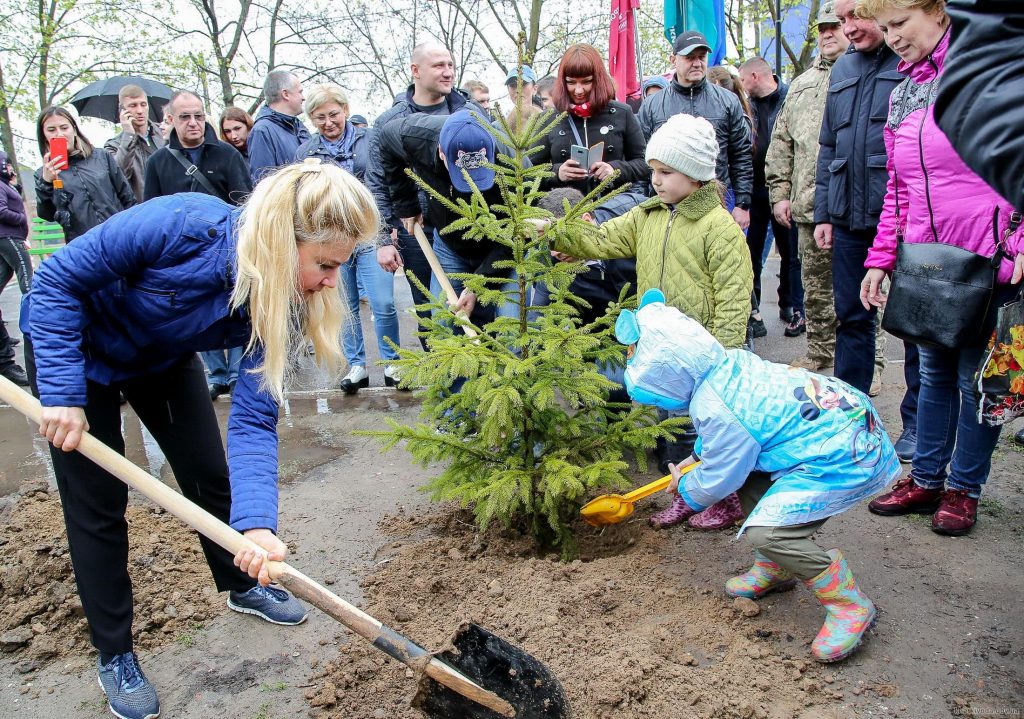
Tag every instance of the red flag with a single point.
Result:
(622, 49)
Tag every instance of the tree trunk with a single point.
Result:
(6, 130)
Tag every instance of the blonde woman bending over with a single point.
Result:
(125, 309)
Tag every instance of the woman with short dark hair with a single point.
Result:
(586, 91)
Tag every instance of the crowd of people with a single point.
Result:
(254, 238)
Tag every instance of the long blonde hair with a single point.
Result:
(301, 203)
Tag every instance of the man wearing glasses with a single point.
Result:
(194, 160)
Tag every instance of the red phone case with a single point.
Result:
(59, 146)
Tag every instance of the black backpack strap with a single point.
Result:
(193, 171)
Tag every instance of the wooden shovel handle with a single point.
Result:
(302, 586)
(442, 278)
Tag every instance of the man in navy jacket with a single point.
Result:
(277, 132)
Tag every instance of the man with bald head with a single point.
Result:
(432, 92)
(767, 94)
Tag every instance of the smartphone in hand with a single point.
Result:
(581, 155)
(59, 148)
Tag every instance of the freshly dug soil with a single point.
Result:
(41, 616)
(621, 634)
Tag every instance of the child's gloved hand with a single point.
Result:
(676, 470)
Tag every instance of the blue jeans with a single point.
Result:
(223, 365)
(415, 261)
(452, 262)
(948, 433)
(362, 268)
(855, 333)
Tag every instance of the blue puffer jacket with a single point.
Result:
(140, 293)
(852, 173)
(272, 142)
(819, 438)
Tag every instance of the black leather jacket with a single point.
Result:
(403, 107)
(412, 143)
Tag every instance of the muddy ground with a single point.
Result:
(638, 628)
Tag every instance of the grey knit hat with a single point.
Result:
(688, 145)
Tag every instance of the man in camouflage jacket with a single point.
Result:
(790, 172)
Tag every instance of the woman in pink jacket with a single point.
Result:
(933, 197)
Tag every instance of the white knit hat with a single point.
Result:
(688, 145)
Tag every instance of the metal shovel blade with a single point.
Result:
(500, 667)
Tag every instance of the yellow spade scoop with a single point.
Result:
(614, 508)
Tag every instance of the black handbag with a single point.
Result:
(940, 294)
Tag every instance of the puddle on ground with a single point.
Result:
(306, 441)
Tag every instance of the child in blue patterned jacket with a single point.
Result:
(796, 446)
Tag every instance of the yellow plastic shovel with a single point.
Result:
(615, 508)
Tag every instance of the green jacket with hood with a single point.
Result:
(695, 253)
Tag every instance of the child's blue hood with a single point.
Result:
(673, 354)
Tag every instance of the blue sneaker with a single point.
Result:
(275, 605)
(906, 445)
(129, 693)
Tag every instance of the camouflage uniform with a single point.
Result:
(790, 172)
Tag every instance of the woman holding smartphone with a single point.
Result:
(585, 90)
(94, 188)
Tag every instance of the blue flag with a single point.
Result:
(705, 16)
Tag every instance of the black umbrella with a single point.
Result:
(99, 99)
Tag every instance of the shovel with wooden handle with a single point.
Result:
(522, 686)
(615, 508)
(442, 278)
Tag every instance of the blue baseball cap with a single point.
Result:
(528, 75)
(468, 146)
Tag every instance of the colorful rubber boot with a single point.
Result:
(676, 513)
(719, 516)
(849, 612)
(763, 578)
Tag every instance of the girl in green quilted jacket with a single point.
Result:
(687, 245)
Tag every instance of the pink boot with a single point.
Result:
(724, 514)
(675, 514)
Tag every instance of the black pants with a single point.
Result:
(175, 407)
(416, 262)
(14, 259)
(791, 288)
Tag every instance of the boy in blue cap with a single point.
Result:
(797, 447)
